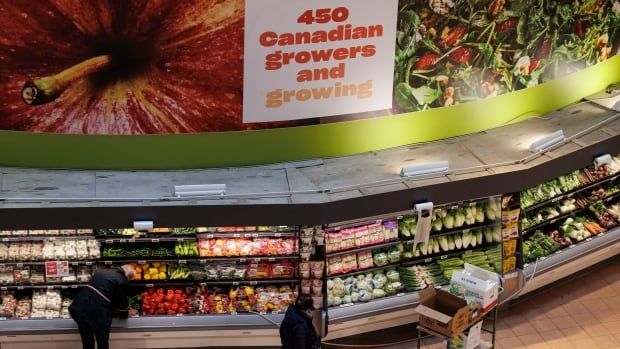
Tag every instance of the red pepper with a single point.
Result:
(453, 36)
(461, 55)
(426, 61)
(507, 24)
(533, 64)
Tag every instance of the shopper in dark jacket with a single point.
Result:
(296, 330)
(93, 307)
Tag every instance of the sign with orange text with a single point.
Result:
(307, 59)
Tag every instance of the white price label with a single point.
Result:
(74, 286)
(255, 235)
(182, 261)
(180, 239)
(20, 265)
(236, 235)
(179, 314)
(242, 260)
(257, 259)
(445, 256)
(150, 285)
(75, 263)
(253, 283)
(428, 260)
(20, 287)
(154, 240)
(202, 261)
(3, 288)
(601, 234)
(571, 246)
(202, 284)
(272, 259)
(589, 239)
(400, 294)
(49, 318)
(50, 287)
(278, 235)
(141, 262)
(235, 283)
(88, 263)
(122, 241)
(109, 241)
(209, 236)
(5, 240)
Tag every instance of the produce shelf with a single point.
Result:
(109, 240)
(262, 234)
(565, 215)
(364, 248)
(439, 256)
(40, 287)
(184, 283)
(572, 192)
(363, 271)
(571, 252)
(45, 238)
(74, 263)
(456, 230)
(200, 260)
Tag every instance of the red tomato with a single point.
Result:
(178, 291)
(426, 61)
(171, 312)
(507, 24)
(461, 55)
(182, 311)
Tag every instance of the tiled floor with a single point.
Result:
(580, 314)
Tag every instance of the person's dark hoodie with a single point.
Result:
(297, 331)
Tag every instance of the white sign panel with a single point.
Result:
(314, 58)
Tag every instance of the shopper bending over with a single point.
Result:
(296, 330)
(93, 307)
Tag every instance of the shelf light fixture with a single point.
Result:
(425, 169)
(199, 190)
(143, 225)
(547, 142)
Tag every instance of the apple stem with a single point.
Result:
(47, 89)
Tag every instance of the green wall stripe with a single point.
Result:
(25, 149)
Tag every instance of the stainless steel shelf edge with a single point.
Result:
(377, 306)
(155, 323)
(569, 254)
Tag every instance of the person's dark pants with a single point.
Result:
(92, 329)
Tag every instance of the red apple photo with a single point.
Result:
(122, 66)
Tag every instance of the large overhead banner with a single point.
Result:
(304, 59)
(172, 67)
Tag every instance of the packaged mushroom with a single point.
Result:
(70, 252)
(36, 232)
(8, 305)
(48, 250)
(84, 232)
(6, 275)
(13, 252)
(20, 232)
(36, 251)
(94, 249)
(52, 232)
(4, 252)
(21, 276)
(68, 232)
(24, 308)
(39, 303)
(81, 249)
(25, 251)
(37, 275)
(59, 250)
(64, 310)
(5, 233)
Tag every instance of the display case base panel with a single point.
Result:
(166, 339)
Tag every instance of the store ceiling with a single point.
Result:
(315, 181)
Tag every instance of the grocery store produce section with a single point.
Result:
(179, 271)
(361, 264)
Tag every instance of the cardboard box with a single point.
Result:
(482, 286)
(442, 312)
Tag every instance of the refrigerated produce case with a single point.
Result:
(369, 250)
